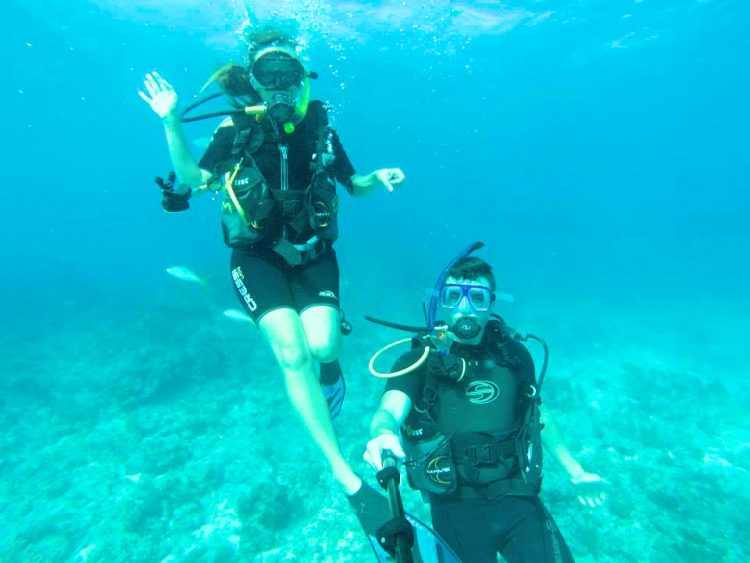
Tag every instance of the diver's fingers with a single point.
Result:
(372, 456)
(144, 97)
(377, 458)
(163, 84)
(392, 443)
(397, 449)
(151, 84)
(396, 176)
(149, 89)
(384, 177)
(155, 84)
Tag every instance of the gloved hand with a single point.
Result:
(375, 448)
(172, 201)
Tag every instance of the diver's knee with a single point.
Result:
(292, 357)
(325, 351)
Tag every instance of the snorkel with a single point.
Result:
(300, 110)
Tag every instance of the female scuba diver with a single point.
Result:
(275, 162)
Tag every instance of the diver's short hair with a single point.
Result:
(471, 267)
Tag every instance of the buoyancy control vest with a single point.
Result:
(252, 211)
(477, 464)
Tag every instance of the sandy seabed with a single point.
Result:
(164, 434)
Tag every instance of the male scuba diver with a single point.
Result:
(462, 411)
(274, 162)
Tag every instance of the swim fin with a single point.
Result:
(333, 384)
(373, 511)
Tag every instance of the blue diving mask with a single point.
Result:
(478, 297)
(466, 307)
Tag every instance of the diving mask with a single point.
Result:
(282, 82)
(276, 69)
(479, 297)
(467, 307)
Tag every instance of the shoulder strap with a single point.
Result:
(320, 136)
(503, 348)
(248, 138)
(317, 116)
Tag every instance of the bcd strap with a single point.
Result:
(247, 140)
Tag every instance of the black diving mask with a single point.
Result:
(277, 70)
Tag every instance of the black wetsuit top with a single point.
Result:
(487, 400)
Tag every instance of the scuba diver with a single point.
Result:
(274, 161)
(462, 411)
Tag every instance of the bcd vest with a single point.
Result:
(252, 211)
(476, 464)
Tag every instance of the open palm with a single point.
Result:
(160, 95)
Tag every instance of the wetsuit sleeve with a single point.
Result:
(342, 166)
(218, 150)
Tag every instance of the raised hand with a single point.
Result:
(160, 95)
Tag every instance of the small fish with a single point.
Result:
(135, 477)
(237, 315)
(506, 297)
(83, 555)
(186, 274)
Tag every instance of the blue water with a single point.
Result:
(599, 149)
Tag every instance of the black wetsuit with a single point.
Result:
(481, 520)
(262, 279)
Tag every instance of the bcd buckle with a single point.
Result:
(486, 454)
